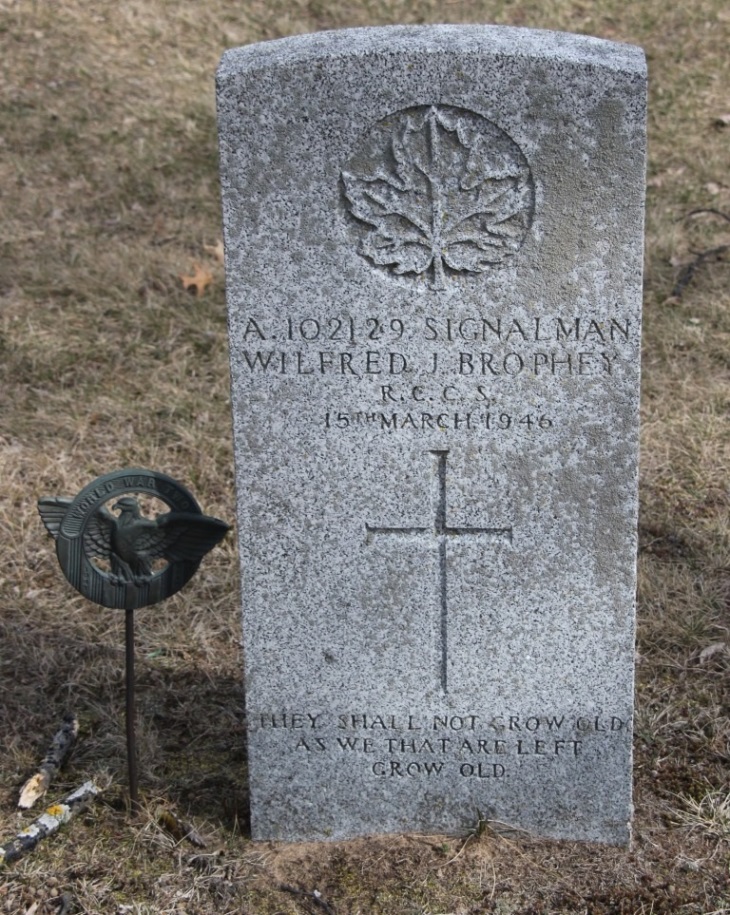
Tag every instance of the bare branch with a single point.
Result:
(55, 758)
(688, 271)
(47, 823)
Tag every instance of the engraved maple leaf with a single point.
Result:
(444, 197)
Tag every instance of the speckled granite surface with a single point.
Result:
(433, 255)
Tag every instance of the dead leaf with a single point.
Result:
(710, 651)
(179, 829)
(722, 121)
(668, 174)
(198, 281)
(216, 250)
(712, 187)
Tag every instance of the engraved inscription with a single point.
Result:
(589, 329)
(441, 533)
(480, 746)
(423, 421)
(476, 346)
(437, 191)
(440, 373)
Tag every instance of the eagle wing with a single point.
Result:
(180, 536)
(98, 534)
(53, 511)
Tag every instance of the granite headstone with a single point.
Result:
(434, 254)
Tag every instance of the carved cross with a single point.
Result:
(440, 534)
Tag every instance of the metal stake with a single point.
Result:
(127, 580)
(130, 710)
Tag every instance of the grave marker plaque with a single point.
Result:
(433, 254)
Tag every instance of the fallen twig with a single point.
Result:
(56, 756)
(689, 270)
(48, 822)
(711, 210)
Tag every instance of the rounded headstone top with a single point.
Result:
(477, 39)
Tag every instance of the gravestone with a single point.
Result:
(434, 253)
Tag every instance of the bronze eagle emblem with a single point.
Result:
(131, 543)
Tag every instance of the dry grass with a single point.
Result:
(109, 193)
